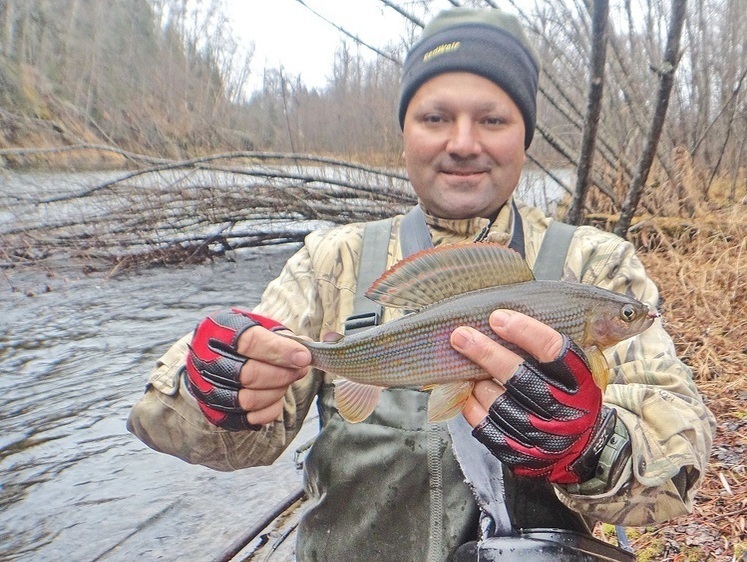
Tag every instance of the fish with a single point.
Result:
(461, 285)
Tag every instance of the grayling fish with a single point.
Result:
(461, 285)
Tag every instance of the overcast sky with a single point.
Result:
(288, 34)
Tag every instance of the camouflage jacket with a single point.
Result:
(653, 391)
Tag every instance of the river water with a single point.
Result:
(75, 352)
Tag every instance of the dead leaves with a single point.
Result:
(704, 285)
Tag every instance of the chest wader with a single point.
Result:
(367, 481)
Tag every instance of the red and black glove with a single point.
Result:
(550, 422)
(214, 366)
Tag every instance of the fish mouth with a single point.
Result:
(653, 314)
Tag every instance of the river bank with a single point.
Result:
(702, 278)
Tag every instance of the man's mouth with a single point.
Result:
(463, 171)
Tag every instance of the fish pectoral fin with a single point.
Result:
(447, 400)
(356, 401)
(600, 368)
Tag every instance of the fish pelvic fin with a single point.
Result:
(447, 400)
(356, 401)
(439, 273)
(600, 368)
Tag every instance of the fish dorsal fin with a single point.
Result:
(436, 274)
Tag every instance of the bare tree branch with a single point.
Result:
(403, 12)
(734, 94)
(353, 36)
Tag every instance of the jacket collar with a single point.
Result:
(506, 229)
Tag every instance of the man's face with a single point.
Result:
(464, 145)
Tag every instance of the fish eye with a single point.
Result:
(627, 312)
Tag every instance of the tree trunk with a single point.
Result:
(666, 74)
(600, 18)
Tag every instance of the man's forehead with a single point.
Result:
(462, 89)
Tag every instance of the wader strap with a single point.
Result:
(517, 237)
(367, 313)
(551, 256)
(413, 233)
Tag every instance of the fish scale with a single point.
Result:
(415, 350)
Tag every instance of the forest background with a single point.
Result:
(132, 84)
(167, 77)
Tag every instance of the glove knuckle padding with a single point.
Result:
(236, 322)
(214, 368)
(221, 371)
(543, 421)
(530, 389)
(497, 443)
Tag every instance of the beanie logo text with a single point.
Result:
(441, 49)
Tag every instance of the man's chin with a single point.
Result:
(457, 211)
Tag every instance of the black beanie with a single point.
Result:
(487, 42)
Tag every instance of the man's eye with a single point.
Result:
(433, 118)
(493, 121)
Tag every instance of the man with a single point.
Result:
(235, 393)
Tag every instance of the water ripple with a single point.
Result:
(73, 483)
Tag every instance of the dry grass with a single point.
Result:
(692, 238)
(702, 274)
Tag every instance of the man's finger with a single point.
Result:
(538, 339)
(266, 415)
(494, 359)
(268, 347)
(258, 400)
(258, 375)
(483, 395)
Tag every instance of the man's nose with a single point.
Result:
(463, 140)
